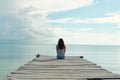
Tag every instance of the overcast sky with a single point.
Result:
(45, 21)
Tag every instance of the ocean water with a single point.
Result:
(12, 56)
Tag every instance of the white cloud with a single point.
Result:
(90, 38)
(118, 26)
(82, 36)
(30, 28)
(26, 19)
(25, 27)
(11, 6)
(113, 18)
(43, 6)
(55, 5)
(63, 20)
(109, 19)
(78, 29)
(30, 22)
(87, 29)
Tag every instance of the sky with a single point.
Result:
(91, 22)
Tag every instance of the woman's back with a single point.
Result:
(61, 52)
(61, 48)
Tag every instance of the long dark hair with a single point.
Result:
(61, 44)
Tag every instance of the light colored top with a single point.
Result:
(61, 52)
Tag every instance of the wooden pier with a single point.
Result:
(70, 68)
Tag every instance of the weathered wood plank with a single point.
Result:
(71, 68)
(56, 71)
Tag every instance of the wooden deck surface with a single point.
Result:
(70, 68)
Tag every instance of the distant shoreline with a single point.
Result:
(55, 44)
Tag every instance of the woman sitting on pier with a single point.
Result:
(60, 48)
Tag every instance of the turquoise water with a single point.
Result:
(12, 56)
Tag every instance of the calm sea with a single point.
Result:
(12, 56)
